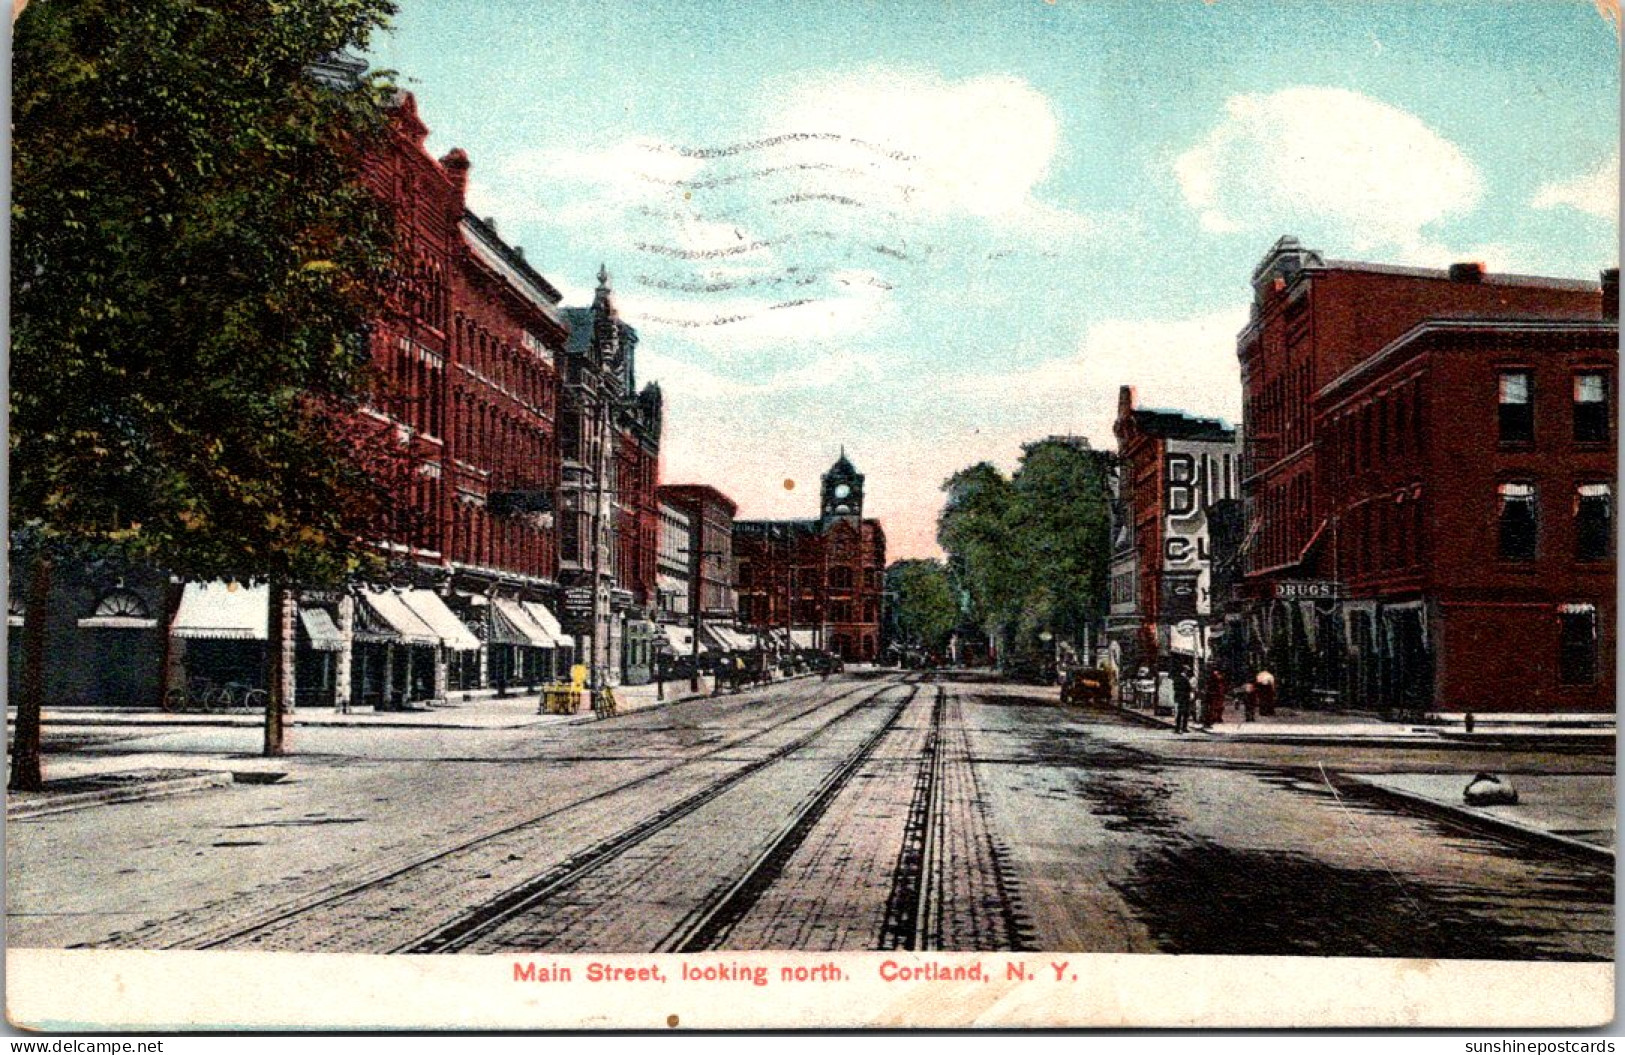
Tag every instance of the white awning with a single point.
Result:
(729, 639)
(536, 635)
(803, 639)
(319, 629)
(427, 606)
(222, 611)
(548, 622)
(681, 639)
(407, 624)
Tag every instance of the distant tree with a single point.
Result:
(1060, 524)
(195, 262)
(1031, 549)
(974, 528)
(927, 611)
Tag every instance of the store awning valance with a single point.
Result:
(427, 606)
(222, 611)
(406, 626)
(320, 631)
(534, 634)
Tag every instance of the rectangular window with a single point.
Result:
(1517, 521)
(1517, 407)
(1577, 644)
(1593, 521)
(1591, 407)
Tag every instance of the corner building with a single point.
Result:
(1425, 485)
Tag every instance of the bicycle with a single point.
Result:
(603, 703)
(198, 694)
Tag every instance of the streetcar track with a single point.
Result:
(915, 888)
(211, 938)
(710, 926)
(471, 926)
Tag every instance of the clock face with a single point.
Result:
(841, 490)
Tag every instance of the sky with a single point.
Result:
(932, 230)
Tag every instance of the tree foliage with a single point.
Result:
(1031, 549)
(196, 259)
(926, 612)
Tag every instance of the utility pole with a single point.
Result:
(595, 637)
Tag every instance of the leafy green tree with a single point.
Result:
(1032, 549)
(196, 258)
(927, 611)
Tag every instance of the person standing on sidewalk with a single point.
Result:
(1249, 701)
(1213, 698)
(1182, 701)
(1266, 693)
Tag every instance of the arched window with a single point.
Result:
(120, 609)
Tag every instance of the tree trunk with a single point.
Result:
(276, 632)
(25, 739)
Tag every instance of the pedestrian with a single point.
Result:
(1266, 693)
(1213, 698)
(1249, 701)
(1182, 701)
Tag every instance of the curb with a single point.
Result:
(152, 789)
(1484, 823)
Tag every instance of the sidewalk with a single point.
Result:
(1324, 727)
(513, 712)
(1573, 812)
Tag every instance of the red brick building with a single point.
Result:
(819, 581)
(469, 359)
(1173, 470)
(1370, 577)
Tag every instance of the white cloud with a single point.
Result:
(1596, 192)
(1351, 169)
(979, 147)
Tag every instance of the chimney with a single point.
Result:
(1467, 272)
(1610, 294)
(456, 164)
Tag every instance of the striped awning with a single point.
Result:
(534, 634)
(803, 639)
(547, 621)
(222, 611)
(320, 631)
(405, 625)
(728, 639)
(427, 606)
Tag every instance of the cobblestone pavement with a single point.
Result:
(868, 812)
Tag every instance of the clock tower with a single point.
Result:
(843, 490)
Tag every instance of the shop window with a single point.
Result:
(1577, 644)
(1593, 521)
(1517, 407)
(1517, 521)
(1591, 407)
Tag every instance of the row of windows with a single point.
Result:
(841, 577)
(1280, 412)
(497, 542)
(1518, 522)
(514, 450)
(518, 372)
(412, 394)
(1366, 438)
(766, 610)
(1590, 416)
(1382, 535)
(1285, 515)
